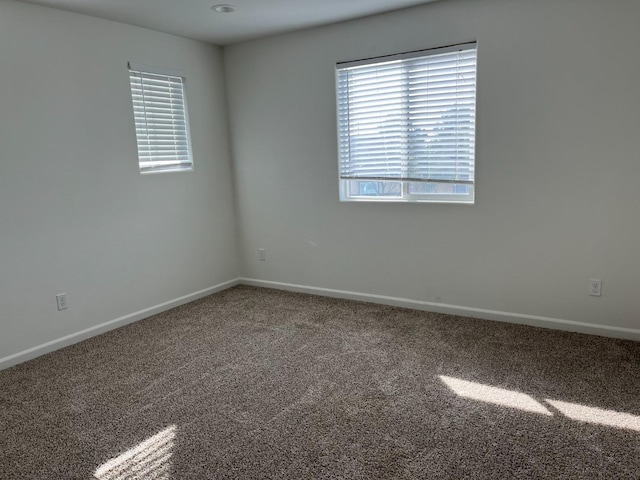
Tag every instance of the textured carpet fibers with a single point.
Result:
(257, 383)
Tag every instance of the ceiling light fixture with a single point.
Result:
(224, 8)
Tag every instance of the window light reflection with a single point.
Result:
(524, 402)
(600, 416)
(150, 459)
(497, 396)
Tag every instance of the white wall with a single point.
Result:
(558, 163)
(557, 183)
(75, 214)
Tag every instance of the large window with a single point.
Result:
(406, 126)
(162, 126)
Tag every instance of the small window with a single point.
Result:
(162, 126)
(406, 126)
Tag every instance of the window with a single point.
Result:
(162, 126)
(406, 126)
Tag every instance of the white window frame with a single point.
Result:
(146, 162)
(346, 195)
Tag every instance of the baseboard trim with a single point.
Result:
(509, 317)
(77, 337)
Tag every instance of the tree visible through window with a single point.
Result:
(406, 126)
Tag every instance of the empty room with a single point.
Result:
(320, 239)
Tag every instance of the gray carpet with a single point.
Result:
(256, 383)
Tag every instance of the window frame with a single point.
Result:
(176, 166)
(405, 195)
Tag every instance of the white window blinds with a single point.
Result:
(162, 127)
(409, 119)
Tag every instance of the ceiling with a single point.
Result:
(252, 18)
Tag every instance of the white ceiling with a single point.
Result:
(252, 18)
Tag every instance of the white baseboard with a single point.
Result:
(48, 347)
(518, 318)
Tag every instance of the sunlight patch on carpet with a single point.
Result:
(609, 418)
(150, 459)
(494, 395)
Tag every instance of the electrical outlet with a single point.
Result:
(262, 255)
(595, 287)
(61, 299)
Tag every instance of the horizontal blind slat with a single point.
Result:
(162, 135)
(412, 116)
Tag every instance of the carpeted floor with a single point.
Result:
(255, 383)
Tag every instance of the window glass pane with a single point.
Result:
(408, 117)
(367, 188)
(422, 188)
(162, 129)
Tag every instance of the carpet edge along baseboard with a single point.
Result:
(483, 314)
(77, 337)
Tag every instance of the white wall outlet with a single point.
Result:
(595, 287)
(61, 299)
(262, 255)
